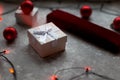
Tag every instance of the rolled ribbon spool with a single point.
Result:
(102, 37)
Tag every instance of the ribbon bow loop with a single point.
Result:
(44, 34)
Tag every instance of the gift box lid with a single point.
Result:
(47, 33)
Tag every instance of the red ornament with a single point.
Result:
(116, 23)
(86, 11)
(27, 6)
(10, 33)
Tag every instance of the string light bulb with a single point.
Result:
(87, 68)
(1, 19)
(11, 70)
(54, 77)
(6, 51)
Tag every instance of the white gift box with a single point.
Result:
(28, 20)
(47, 39)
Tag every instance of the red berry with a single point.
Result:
(86, 11)
(10, 33)
(116, 23)
(27, 6)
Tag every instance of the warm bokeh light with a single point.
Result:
(1, 12)
(53, 77)
(88, 68)
(1, 18)
(11, 70)
(1, 9)
(6, 51)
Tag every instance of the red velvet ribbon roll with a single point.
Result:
(90, 31)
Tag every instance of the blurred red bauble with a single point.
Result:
(10, 33)
(86, 11)
(27, 6)
(116, 23)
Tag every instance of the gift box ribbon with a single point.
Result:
(46, 32)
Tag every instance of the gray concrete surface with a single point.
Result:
(78, 52)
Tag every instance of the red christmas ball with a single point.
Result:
(10, 33)
(116, 23)
(27, 6)
(86, 11)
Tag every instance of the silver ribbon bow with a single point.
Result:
(43, 34)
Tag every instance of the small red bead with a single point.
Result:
(86, 11)
(27, 6)
(10, 33)
(116, 23)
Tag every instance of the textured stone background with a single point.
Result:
(78, 52)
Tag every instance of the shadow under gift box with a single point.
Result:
(96, 34)
(47, 39)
